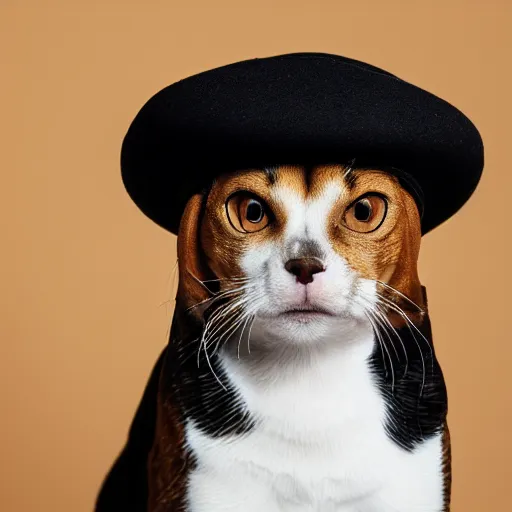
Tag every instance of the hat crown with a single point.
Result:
(297, 108)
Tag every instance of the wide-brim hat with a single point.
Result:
(302, 108)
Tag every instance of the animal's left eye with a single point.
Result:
(247, 213)
(366, 213)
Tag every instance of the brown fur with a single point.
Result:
(447, 467)
(168, 463)
(191, 265)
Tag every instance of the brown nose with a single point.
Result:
(304, 268)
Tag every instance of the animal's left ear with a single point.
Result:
(192, 269)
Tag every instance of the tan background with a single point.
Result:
(84, 273)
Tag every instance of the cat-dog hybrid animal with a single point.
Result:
(300, 374)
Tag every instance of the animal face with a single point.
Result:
(299, 254)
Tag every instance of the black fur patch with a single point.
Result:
(215, 408)
(415, 392)
(271, 173)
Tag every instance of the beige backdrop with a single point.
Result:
(87, 280)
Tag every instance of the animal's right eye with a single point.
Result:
(366, 214)
(247, 212)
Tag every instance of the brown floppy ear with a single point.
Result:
(192, 271)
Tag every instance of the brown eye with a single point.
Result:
(247, 213)
(366, 213)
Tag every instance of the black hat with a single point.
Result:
(301, 108)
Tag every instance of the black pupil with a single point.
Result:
(363, 210)
(254, 211)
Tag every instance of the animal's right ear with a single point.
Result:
(192, 271)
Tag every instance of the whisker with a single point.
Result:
(218, 296)
(226, 320)
(367, 310)
(378, 319)
(172, 278)
(231, 325)
(201, 343)
(388, 325)
(369, 315)
(398, 292)
(227, 279)
(410, 324)
(249, 317)
(238, 322)
(221, 311)
(213, 371)
(233, 291)
(222, 314)
(204, 344)
(249, 335)
(205, 335)
(197, 280)
(397, 308)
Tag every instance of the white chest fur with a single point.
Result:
(319, 445)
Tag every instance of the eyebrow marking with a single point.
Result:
(271, 173)
(350, 176)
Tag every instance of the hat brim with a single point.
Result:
(305, 108)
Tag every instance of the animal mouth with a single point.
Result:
(306, 312)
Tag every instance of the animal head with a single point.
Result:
(296, 254)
